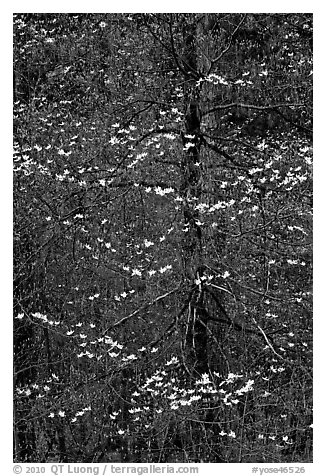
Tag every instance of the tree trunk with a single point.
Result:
(191, 191)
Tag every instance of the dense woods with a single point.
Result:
(163, 237)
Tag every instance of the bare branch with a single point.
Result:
(142, 308)
(266, 339)
(226, 49)
(230, 105)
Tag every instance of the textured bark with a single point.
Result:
(191, 190)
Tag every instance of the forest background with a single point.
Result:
(192, 357)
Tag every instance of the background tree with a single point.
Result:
(162, 237)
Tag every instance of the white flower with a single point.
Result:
(291, 261)
(174, 360)
(195, 398)
(136, 272)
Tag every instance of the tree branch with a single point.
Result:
(142, 308)
(230, 105)
(226, 49)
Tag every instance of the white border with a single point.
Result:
(277, 6)
(319, 195)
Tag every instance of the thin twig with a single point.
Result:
(135, 313)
